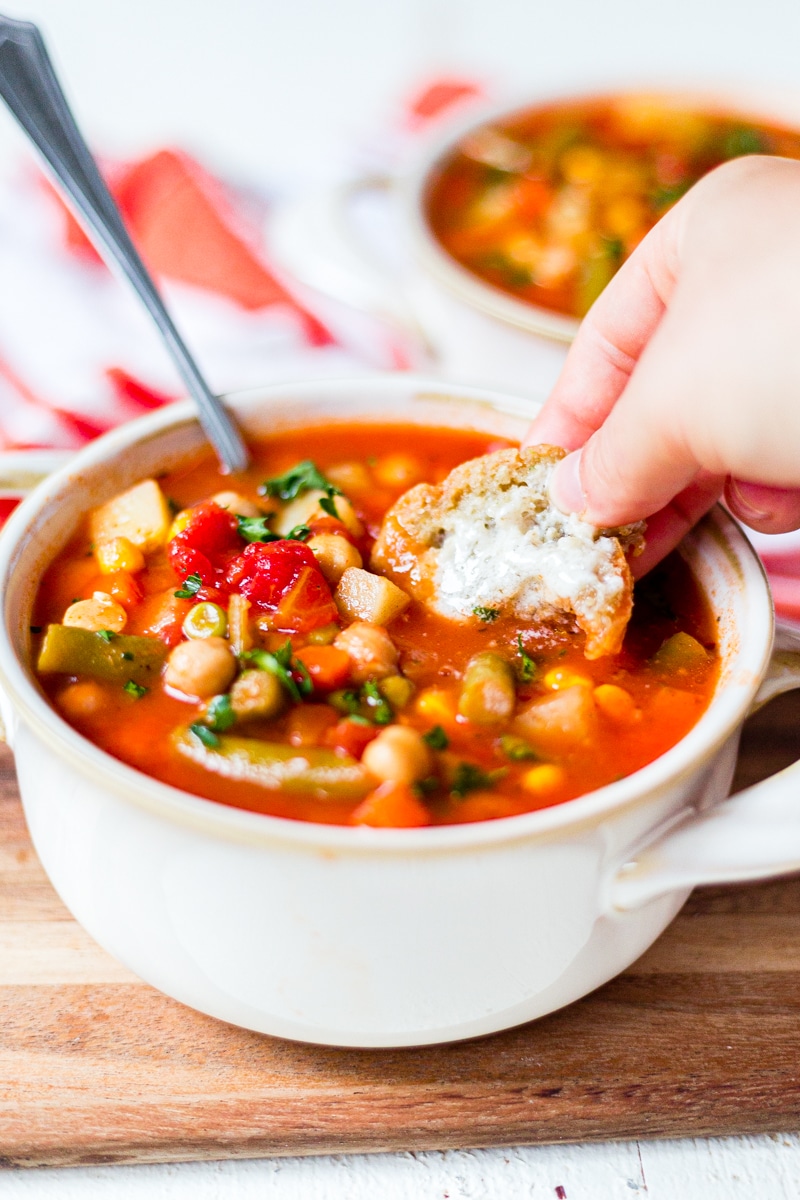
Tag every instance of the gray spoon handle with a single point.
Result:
(30, 88)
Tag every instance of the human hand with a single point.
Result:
(683, 383)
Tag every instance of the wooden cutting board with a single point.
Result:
(700, 1036)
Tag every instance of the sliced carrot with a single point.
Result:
(124, 588)
(328, 667)
(393, 806)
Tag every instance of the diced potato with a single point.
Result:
(334, 555)
(398, 470)
(118, 554)
(141, 515)
(555, 724)
(257, 694)
(350, 476)
(362, 596)
(239, 632)
(101, 612)
(236, 503)
(306, 507)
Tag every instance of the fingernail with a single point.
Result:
(566, 491)
(741, 506)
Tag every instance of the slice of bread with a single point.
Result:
(488, 537)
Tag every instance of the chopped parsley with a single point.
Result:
(107, 635)
(204, 735)
(345, 701)
(135, 689)
(425, 787)
(300, 533)
(487, 615)
(527, 670)
(379, 706)
(470, 778)
(288, 671)
(327, 502)
(127, 656)
(219, 714)
(191, 586)
(436, 738)
(303, 477)
(254, 529)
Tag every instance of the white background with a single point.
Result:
(280, 94)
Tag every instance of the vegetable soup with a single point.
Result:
(227, 636)
(548, 203)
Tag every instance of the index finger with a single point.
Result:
(612, 336)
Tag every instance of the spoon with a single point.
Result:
(30, 88)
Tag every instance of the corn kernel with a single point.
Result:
(559, 678)
(118, 554)
(544, 779)
(437, 705)
(398, 470)
(616, 703)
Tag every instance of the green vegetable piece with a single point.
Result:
(745, 140)
(135, 689)
(219, 714)
(324, 635)
(205, 620)
(681, 652)
(300, 533)
(204, 735)
(487, 615)
(291, 673)
(470, 778)
(527, 669)
(191, 586)
(345, 701)
(378, 707)
(436, 738)
(68, 650)
(516, 748)
(106, 634)
(254, 529)
(278, 767)
(303, 477)
(397, 690)
(488, 693)
(327, 503)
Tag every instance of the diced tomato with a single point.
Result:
(206, 544)
(283, 578)
(328, 667)
(393, 806)
(350, 737)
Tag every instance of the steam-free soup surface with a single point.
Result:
(278, 608)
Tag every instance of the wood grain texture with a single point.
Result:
(701, 1036)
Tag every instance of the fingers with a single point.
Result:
(609, 343)
(767, 509)
(666, 528)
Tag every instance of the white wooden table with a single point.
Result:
(279, 94)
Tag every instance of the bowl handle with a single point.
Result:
(313, 240)
(753, 835)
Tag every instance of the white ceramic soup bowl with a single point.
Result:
(382, 937)
(448, 317)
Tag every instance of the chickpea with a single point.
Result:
(334, 555)
(398, 754)
(257, 694)
(101, 612)
(83, 699)
(398, 470)
(239, 505)
(372, 652)
(202, 668)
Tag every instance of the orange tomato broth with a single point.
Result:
(549, 214)
(433, 650)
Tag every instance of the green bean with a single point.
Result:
(488, 693)
(69, 650)
(276, 766)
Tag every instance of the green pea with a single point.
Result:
(205, 620)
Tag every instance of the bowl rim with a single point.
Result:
(413, 183)
(728, 707)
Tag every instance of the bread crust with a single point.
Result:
(488, 536)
